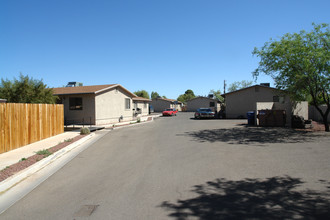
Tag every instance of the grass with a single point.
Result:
(44, 152)
(5, 168)
(68, 140)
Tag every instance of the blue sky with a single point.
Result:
(167, 46)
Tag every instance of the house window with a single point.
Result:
(279, 99)
(127, 104)
(75, 104)
(212, 104)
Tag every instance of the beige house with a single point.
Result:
(160, 104)
(101, 104)
(260, 97)
(203, 102)
(141, 106)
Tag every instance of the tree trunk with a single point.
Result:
(326, 124)
(324, 116)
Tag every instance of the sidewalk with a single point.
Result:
(12, 157)
(18, 185)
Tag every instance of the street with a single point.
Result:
(181, 168)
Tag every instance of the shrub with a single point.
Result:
(85, 131)
(46, 153)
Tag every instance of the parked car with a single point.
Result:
(170, 112)
(204, 113)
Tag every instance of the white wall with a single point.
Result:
(202, 102)
(160, 105)
(144, 106)
(110, 106)
(300, 109)
(77, 116)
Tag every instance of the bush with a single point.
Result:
(85, 131)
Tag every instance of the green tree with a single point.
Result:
(26, 90)
(299, 63)
(189, 94)
(217, 94)
(142, 93)
(239, 85)
(154, 95)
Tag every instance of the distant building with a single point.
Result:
(160, 104)
(262, 97)
(203, 102)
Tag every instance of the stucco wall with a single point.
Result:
(178, 107)
(202, 102)
(300, 109)
(160, 105)
(144, 106)
(110, 106)
(239, 103)
(86, 115)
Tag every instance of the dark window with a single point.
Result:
(212, 104)
(279, 99)
(76, 103)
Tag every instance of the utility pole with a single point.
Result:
(224, 87)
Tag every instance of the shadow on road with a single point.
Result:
(251, 135)
(273, 198)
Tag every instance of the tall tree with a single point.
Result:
(26, 90)
(217, 94)
(189, 94)
(142, 93)
(154, 95)
(299, 63)
(239, 85)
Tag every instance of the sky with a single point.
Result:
(166, 46)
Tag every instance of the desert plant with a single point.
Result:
(68, 140)
(22, 159)
(84, 130)
(44, 152)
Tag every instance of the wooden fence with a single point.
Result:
(22, 124)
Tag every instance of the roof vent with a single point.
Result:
(74, 84)
(265, 84)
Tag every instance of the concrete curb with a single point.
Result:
(12, 181)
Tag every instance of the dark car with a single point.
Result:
(204, 113)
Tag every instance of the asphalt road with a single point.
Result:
(181, 168)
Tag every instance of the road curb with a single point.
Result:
(12, 181)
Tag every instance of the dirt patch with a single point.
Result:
(26, 162)
(316, 127)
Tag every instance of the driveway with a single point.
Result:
(181, 168)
